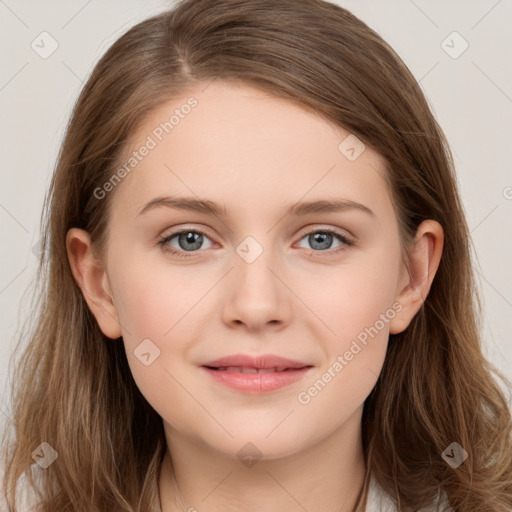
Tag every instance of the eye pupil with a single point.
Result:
(320, 238)
(190, 237)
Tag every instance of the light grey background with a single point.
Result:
(471, 96)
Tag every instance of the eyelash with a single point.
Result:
(183, 254)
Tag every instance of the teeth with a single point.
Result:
(239, 369)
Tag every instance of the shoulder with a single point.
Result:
(380, 501)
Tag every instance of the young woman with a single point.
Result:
(256, 285)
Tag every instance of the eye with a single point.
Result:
(321, 240)
(188, 240)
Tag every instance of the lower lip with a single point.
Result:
(257, 382)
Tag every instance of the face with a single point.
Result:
(317, 286)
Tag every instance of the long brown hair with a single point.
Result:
(73, 389)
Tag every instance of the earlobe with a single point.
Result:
(92, 279)
(413, 288)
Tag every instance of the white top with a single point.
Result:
(26, 501)
(380, 501)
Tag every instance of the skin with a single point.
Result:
(255, 154)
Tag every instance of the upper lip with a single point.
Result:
(259, 361)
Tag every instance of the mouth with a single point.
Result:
(252, 363)
(248, 369)
(255, 375)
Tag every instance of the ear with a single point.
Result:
(414, 284)
(92, 279)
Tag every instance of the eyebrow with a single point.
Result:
(209, 207)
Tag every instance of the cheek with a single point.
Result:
(165, 305)
(356, 304)
(152, 304)
(353, 297)
(153, 301)
(357, 307)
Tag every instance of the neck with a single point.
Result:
(327, 476)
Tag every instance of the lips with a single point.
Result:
(241, 369)
(245, 363)
(256, 374)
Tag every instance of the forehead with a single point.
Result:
(240, 146)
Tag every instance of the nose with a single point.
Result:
(256, 295)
